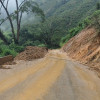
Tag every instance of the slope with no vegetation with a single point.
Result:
(85, 47)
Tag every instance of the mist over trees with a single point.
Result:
(16, 15)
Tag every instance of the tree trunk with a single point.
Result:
(3, 38)
(10, 20)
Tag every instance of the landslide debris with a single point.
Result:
(85, 47)
(32, 52)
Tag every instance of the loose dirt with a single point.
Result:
(31, 53)
(85, 47)
(54, 77)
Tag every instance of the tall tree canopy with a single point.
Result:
(25, 6)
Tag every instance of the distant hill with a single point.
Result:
(70, 12)
(67, 13)
(61, 16)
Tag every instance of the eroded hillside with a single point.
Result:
(85, 47)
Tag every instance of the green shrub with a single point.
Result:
(74, 31)
(17, 48)
(42, 45)
(65, 39)
(10, 50)
(6, 52)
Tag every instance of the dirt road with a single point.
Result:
(53, 78)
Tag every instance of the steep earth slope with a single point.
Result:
(85, 47)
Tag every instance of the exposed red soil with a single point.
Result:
(6, 59)
(85, 47)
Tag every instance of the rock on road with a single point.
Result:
(54, 77)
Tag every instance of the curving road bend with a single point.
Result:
(55, 77)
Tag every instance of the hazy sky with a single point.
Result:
(11, 7)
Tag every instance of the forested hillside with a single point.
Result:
(63, 20)
(69, 12)
(63, 15)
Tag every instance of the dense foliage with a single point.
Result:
(93, 20)
(74, 31)
(64, 19)
(11, 49)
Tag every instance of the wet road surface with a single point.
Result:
(53, 78)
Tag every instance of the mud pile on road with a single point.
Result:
(32, 52)
(85, 47)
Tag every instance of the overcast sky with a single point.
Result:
(12, 7)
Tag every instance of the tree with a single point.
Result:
(98, 6)
(64, 1)
(3, 38)
(51, 33)
(25, 6)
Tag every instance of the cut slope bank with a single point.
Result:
(85, 47)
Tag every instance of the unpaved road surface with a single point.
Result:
(54, 77)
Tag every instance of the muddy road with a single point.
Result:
(54, 77)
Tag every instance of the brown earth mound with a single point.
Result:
(6, 59)
(31, 53)
(85, 47)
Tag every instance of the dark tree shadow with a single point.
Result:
(2, 67)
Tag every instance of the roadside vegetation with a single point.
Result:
(93, 20)
(74, 31)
